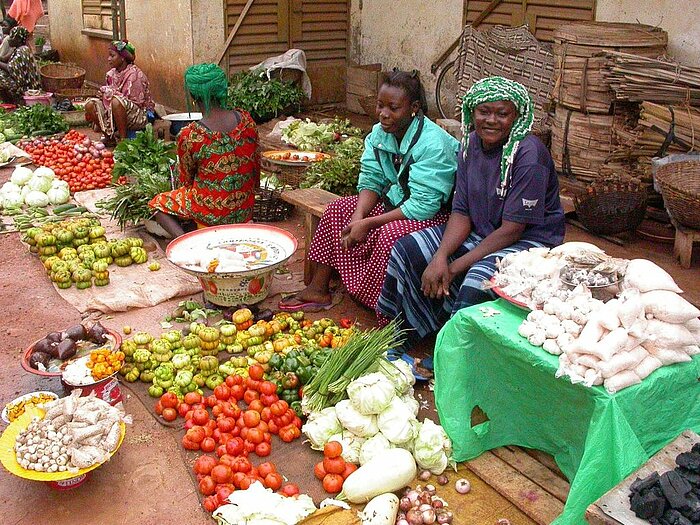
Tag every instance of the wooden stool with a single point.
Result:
(683, 245)
(312, 203)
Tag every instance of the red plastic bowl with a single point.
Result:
(28, 352)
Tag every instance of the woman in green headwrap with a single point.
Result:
(506, 200)
(125, 101)
(219, 166)
(21, 72)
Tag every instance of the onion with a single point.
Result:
(414, 517)
(444, 517)
(412, 496)
(442, 480)
(424, 475)
(425, 497)
(428, 516)
(98, 145)
(402, 522)
(430, 488)
(424, 507)
(405, 504)
(437, 503)
(503, 521)
(463, 486)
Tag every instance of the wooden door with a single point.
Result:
(543, 16)
(270, 27)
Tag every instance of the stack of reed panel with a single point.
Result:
(586, 112)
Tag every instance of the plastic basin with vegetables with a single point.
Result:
(233, 263)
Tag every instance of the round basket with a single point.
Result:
(680, 188)
(58, 77)
(609, 209)
(269, 207)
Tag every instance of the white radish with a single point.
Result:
(381, 510)
(389, 471)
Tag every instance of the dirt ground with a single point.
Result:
(149, 480)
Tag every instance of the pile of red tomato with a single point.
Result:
(333, 470)
(82, 163)
(218, 478)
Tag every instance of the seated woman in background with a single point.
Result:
(20, 73)
(506, 200)
(218, 161)
(406, 179)
(125, 101)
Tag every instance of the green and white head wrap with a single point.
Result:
(495, 89)
(207, 83)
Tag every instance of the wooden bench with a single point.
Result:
(312, 203)
(683, 245)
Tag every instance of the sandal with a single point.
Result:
(420, 375)
(308, 306)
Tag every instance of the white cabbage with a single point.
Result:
(36, 198)
(399, 373)
(58, 183)
(21, 175)
(58, 195)
(374, 446)
(10, 187)
(397, 422)
(12, 200)
(411, 402)
(321, 427)
(371, 394)
(432, 447)
(39, 183)
(44, 171)
(352, 420)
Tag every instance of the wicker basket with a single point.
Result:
(58, 77)
(609, 208)
(269, 207)
(76, 94)
(679, 183)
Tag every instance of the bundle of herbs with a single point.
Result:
(263, 98)
(36, 120)
(361, 355)
(338, 174)
(146, 162)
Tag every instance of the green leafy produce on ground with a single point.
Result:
(29, 121)
(263, 98)
(324, 136)
(339, 173)
(145, 151)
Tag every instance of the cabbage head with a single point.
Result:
(432, 448)
(371, 393)
(352, 420)
(320, 426)
(21, 175)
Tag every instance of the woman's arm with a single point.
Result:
(508, 233)
(187, 166)
(437, 276)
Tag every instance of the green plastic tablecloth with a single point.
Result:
(596, 438)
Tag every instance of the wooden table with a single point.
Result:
(613, 508)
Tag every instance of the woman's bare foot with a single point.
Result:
(306, 296)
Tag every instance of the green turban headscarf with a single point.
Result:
(125, 49)
(207, 82)
(495, 89)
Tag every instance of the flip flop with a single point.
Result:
(307, 306)
(408, 359)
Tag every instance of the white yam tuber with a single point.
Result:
(669, 355)
(647, 366)
(571, 327)
(538, 337)
(592, 378)
(646, 276)
(668, 335)
(669, 307)
(588, 360)
(535, 315)
(624, 379)
(622, 361)
(564, 341)
(526, 329)
(608, 315)
(591, 333)
(552, 331)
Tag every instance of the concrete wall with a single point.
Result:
(166, 36)
(680, 18)
(408, 35)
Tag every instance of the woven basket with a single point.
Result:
(513, 53)
(269, 207)
(679, 183)
(609, 208)
(58, 77)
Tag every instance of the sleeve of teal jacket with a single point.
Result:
(371, 174)
(431, 179)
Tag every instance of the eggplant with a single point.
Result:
(39, 358)
(66, 349)
(97, 333)
(55, 337)
(264, 315)
(76, 333)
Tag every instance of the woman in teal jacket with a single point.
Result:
(406, 180)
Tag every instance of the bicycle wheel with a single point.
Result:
(446, 91)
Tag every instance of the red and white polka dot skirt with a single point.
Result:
(363, 267)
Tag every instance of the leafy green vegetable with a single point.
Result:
(145, 151)
(38, 119)
(146, 161)
(310, 136)
(264, 99)
(339, 173)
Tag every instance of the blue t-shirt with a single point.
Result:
(532, 197)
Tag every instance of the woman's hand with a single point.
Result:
(437, 277)
(355, 232)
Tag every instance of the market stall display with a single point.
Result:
(294, 157)
(34, 189)
(306, 135)
(17, 406)
(234, 263)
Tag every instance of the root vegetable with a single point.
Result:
(414, 517)
(444, 517)
(388, 472)
(381, 510)
(463, 485)
(424, 475)
(442, 480)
